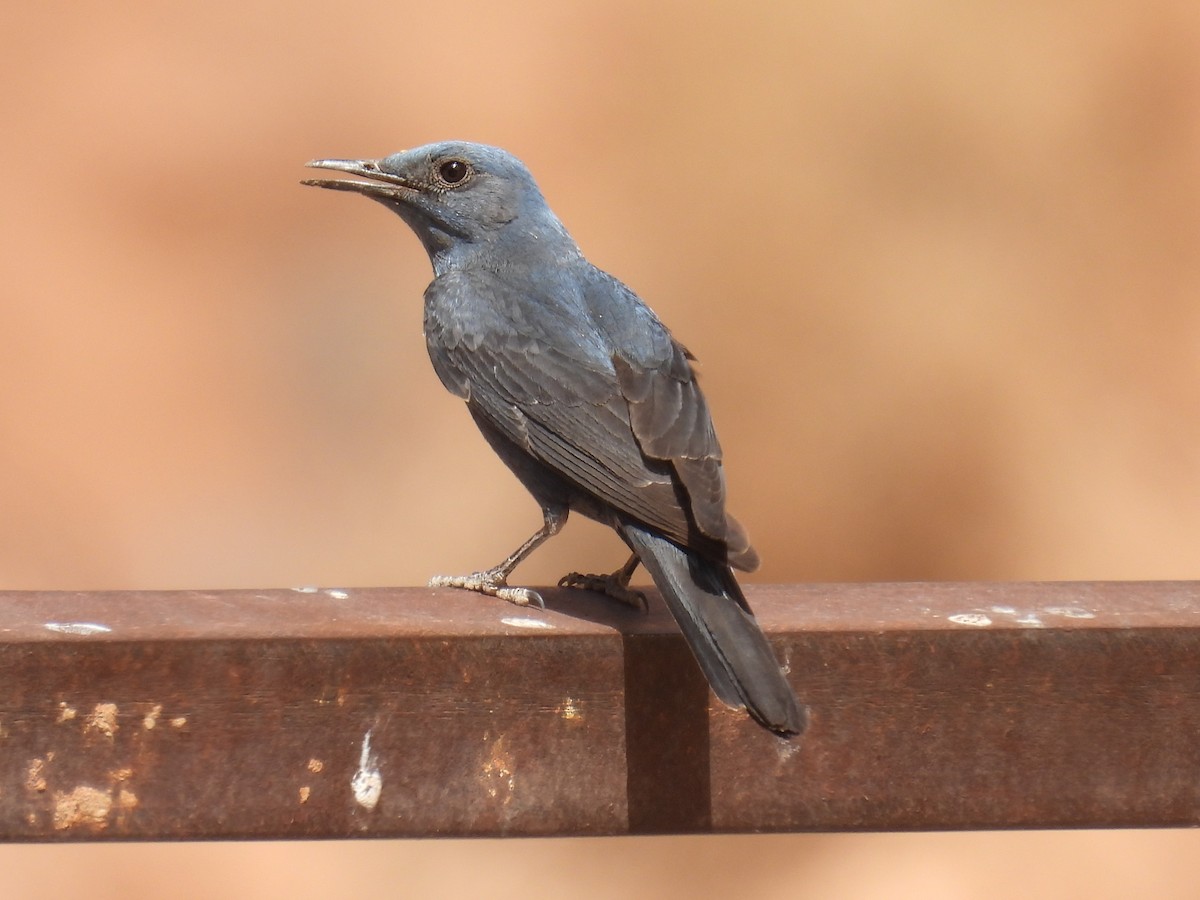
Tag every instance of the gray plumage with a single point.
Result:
(585, 395)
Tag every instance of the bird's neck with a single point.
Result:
(532, 248)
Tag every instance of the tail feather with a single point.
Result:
(721, 630)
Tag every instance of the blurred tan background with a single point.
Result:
(939, 261)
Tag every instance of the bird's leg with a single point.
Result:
(615, 585)
(494, 581)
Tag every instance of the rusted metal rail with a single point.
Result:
(411, 712)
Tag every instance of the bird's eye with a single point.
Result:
(453, 171)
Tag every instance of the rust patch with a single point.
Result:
(102, 720)
(126, 800)
(35, 775)
(85, 806)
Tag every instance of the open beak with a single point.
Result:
(383, 185)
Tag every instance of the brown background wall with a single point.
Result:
(939, 262)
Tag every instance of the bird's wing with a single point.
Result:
(670, 420)
(630, 428)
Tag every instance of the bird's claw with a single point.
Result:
(611, 585)
(492, 583)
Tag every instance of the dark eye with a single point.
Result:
(453, 171)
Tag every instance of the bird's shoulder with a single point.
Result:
(508, 307)
(524, 337)
(632, 330)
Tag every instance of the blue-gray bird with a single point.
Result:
(585, 395)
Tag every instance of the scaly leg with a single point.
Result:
(615, 585)
(494, 581)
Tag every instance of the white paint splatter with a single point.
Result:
(525, 623)
(786, 664)
(337, 594)
(569, 709)
(498, 772)
(367, 783)
(150, 720)
(1004, 610)
(306, 589)
(979, 620)
(1032, 620)
(77, 627)
(1070, 612)
(787, 749)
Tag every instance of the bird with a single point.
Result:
(585, 395)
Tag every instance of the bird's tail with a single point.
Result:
(715, 619)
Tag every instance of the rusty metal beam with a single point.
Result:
(411, 712)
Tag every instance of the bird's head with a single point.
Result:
(451, 194)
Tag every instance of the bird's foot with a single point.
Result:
(492, 582)
(615, 585)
